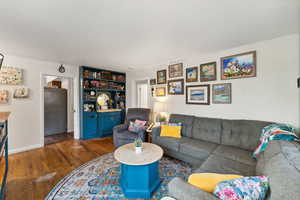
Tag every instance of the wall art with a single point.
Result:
(21, 93)
(160, 91)
(153, 81)
(208, 72)
(11, 76)
(176, 70)
(191, 74)
(161, 77)
(239, 66)
(198, 94)
(221, 93)
(176, 87)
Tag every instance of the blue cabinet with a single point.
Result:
(106, 122)
(98, 125)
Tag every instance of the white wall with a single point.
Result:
(25, 123)
(271, 96)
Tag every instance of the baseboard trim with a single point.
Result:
(27, 148)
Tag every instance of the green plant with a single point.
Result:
(138, 142)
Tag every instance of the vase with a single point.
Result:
(138, 149)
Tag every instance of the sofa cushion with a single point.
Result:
(219, 164)
(207, 129)
(243, 134)
(236, 154)
(167, 142)
(187, 122)
(282, 168)
(196, 148)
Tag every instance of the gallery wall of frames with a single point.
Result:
(196, 84)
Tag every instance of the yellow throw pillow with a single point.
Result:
(208, 181)
(170, 131)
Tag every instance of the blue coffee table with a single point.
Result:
(139, 171)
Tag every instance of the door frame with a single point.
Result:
(145, 81)
(74, 81)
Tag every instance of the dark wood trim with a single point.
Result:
(176, 80)
(208, 94)
(157, 79)
(241, 54)
(215, 69)
(181, 65)
(197, 72)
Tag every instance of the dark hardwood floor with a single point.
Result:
(34, 173)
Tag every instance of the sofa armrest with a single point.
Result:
(156, 131)
(182, 190)
(120, 128)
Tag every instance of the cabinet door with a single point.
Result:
(89, 125)
(107, 121)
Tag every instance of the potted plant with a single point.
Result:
(138, 143)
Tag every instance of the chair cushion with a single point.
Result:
(243, 134)
(235, 154)
(187, 123)
(208, 181)
(167, 142)
(207, 129)
(126, 134)
(196, 148)
(219, 164)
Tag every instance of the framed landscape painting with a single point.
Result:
(160, 91)
(208, 72)
(176, 70)
(239, 66)
(198, 94)
(191, 74)
(176, 87)
(221, 93)
(161, 77)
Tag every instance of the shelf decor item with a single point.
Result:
(4, 96)
(176, 87)
(20, 93)
(239, 66)
(162, 77)
(160, 91)
(153, 81)
(198, 94)
(191, 74)
(11, 76)
(221, 93)
(208, 72)
(176, 70)
(138, 145)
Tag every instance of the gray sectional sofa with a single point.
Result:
(225, 146)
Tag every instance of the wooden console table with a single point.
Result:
(4, 149)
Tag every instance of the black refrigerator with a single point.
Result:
(55, 111)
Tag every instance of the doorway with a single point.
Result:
(142, 92)
(58, 109)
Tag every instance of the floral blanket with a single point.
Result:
(275, 132)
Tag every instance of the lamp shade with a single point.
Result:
(160, 107)
(1, 60)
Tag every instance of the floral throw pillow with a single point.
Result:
(137, 126)
(247, 188)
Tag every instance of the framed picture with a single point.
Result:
(161, 77)
(24, 93)
(191, 74)
(153, 81)
(198, 94)
(176, 70)
(221, 93)
(208, 72)
(176, 87)
(160, 91)
(239, 66)
(11, 76)
(4, 96)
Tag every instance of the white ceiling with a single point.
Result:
(136, 33)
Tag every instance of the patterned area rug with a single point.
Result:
(99, 180)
